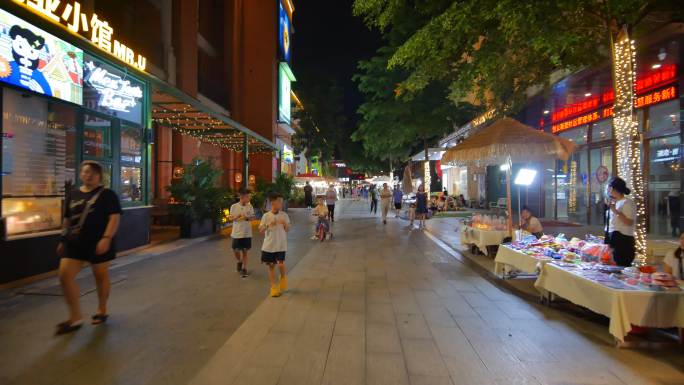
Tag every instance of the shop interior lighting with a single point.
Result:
(587, 94)
(546, 112)
(627, 134)
(656, 66)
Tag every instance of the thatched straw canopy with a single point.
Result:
(508, 138)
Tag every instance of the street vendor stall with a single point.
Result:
(504, 142)
(620, 296)
(484, 232)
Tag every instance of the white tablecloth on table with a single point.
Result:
(482, 238)
(519, 260)
(624, 307)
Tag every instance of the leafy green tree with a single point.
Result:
(394, 125)
(497, 50)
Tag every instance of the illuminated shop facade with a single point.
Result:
(86, 80)
(580, 108)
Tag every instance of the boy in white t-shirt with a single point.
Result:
(275, 224)
(241, 214)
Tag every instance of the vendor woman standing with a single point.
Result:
(620, 222)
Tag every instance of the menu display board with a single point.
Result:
(33, 59)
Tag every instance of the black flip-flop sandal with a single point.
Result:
(98, 319)
(67, 327)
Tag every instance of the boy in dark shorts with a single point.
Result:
(241, 214)
(274, 225)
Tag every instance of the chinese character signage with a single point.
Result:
(284, 32)
(35, 60)
(70, 15)
(667, 154)
(111, 91)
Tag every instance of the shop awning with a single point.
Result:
(173, 108)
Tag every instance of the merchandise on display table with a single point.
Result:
(644, 302)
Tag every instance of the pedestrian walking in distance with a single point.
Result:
(373, 192)
(241, 215)
(274, 225)
(398, 197)
(421, 206)
(385, 199)
(330, 199)
(308, 195)
(91, 218)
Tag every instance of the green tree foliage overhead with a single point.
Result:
(393, 124)
(495, 50)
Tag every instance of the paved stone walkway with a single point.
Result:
(384, 305)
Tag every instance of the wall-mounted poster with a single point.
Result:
(35, 60)
(112, 91)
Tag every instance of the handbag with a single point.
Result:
(71, 234)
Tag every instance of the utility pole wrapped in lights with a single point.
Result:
(627, 134)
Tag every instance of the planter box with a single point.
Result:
(194, 229)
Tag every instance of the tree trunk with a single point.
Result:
(626, 129)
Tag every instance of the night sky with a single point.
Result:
(327, 36)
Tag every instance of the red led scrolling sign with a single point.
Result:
(654, 97)
(644, 83)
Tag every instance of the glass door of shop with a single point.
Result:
(601, 166)
(664, 186)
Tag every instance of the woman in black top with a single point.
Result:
(88, 238)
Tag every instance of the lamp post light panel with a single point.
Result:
(525, 177)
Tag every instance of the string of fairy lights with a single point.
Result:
(627, 135)
(206, 129)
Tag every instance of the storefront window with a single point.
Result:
(131, 184)
(663, 182)
(97, 137)
(37, 162)
(602, 130)
(131, 144)
(577, 135)
(572, 179)
(664, 118)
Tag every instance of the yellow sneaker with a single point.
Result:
(283, 283)
(275, 292)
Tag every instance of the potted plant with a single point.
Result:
(197, 199)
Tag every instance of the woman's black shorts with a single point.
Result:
(272, 257)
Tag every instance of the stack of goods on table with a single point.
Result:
(487, 222)
(593, 260)
(559, 248)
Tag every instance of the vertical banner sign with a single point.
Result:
(284, 32)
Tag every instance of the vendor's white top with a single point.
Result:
(242, 228)
(275, 239)
(673, 262)
(627, 207)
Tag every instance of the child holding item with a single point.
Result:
(275, 224)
